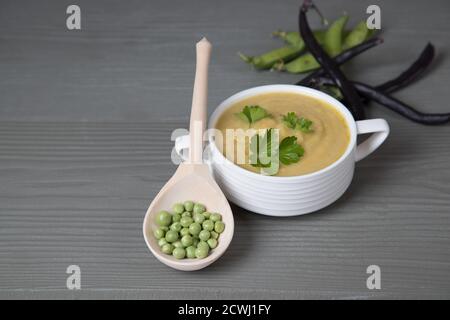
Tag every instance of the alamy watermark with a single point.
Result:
(73, 21)
(374, 20)
(73, 281)
(374, 280)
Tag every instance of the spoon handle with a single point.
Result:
(199, 101)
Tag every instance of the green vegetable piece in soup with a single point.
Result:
(292, 121)
(290, 150)
(251, 114)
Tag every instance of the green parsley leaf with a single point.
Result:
(290, 151)
(304, 125)
(292, 121)
(251, 114)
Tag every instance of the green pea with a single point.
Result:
(195, 242)
(176, 217)
(356, 36)
(202, 251)
(214, 235)
(159, 233)
(267, 60)
(207, 214)
(178, 244)
(204, 235)
(176, 226)
(162, 242)
(167, 248)
(178, 208)
(215, 217)
(219, 226)
(195, 228)
(208, 225)
(171, 236)
(199, 208)
(203, 244)
(179, 253)
(186, 214)
(186, 221)
(212, 243)
(333, 36)
(198, 217)
(187, 240)
(164, 228)
(184, 231)
(188, 205)
(190, 252)
(163, 218)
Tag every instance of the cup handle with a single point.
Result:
(182, 144)
(380, 130)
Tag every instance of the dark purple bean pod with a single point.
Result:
(393, 104)
(412, 73)
(342, 58)
(353, 101)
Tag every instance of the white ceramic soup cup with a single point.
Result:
(295, 195)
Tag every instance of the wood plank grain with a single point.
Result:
(76, 193)
(85, 125)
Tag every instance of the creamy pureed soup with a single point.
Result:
(324, 144)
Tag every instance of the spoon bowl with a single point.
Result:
(192, 180)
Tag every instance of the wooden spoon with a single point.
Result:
(192, 180)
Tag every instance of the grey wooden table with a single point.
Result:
(85, 124)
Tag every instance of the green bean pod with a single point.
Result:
(267, 60)
(293, 37)
(333, 36)
(357, 36)
(304, 63)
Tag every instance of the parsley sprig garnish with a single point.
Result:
(289, 151)
(292, 121)
(251, 114)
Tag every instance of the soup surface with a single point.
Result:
(323, 144)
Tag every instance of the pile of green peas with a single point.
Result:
(189, 232)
